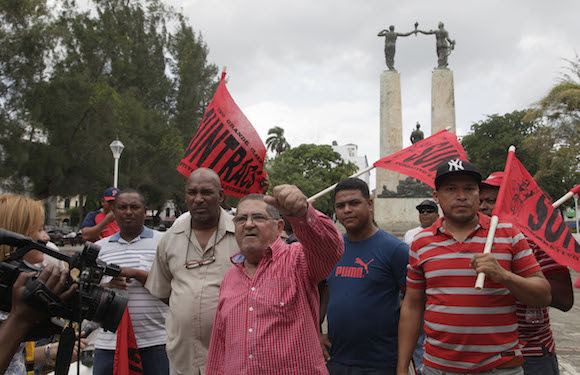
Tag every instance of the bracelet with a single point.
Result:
(48, 361)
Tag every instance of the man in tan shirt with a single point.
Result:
(191, 261)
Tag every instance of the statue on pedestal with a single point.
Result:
(417, 134)
(443, 47)
(390, 41)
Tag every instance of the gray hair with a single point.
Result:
(271, 210)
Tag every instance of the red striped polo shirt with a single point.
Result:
(468, 331)
(535, 329)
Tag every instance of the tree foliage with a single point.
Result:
(276, 141)
(487, 144)
(312, 168)
(78, 79)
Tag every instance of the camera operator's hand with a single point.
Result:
(135, 273)
(119, 282)
(23, 317)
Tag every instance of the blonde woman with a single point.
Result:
(25, 216)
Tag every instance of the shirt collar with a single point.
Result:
(145, 233)
(225, 224)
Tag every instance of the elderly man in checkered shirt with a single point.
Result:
(267, 315)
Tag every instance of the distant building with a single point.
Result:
(349, 152)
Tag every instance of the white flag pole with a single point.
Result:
(489, 241)
(329, 189)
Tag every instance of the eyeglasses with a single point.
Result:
(199, 263)
(427, 210)
(256, 218)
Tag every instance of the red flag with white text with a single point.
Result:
(227, 142)
(421, 159)
(522, 202)
(127, 358)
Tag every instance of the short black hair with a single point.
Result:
(131, 191)
(353, 184)
(271, 210)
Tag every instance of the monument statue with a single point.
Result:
(390, 41)
(417, 134)
(443, 47)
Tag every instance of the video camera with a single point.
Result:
(91, 301)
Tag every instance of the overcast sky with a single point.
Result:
(313, 67)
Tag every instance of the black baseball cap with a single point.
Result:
(454, 167)
(427, 203)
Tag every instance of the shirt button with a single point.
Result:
(253, 289)
(250, 356)
(250, 330)
(251, 309)
(281, 303)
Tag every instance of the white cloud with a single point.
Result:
(313, 67)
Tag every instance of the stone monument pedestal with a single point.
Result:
(442, 101)
(397, 215)
(391, 127)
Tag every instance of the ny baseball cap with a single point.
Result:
(495, 179)
(427, 203)
(111, 193)
(455, 167)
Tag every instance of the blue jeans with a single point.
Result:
(418, 353)
(154, 360)
(494, 371)
(547, 364)
(340, 369)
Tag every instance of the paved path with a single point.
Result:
(566, 330)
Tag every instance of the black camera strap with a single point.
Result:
(65, 350)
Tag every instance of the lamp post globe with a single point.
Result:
(116, 148)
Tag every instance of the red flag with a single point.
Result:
(227, 143)
(420, 160)
(127, 358)
(522, 202)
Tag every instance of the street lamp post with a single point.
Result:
(116, 148)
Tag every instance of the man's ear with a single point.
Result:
(436, 198)
(222, 196)
(280, 225)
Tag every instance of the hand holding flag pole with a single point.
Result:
(494, 220)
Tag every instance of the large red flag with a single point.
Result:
(420, 160)
(127, 358)
(227, 143)
(522, 202)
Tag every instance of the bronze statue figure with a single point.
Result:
(443, 47)
(417, 134)
(390, 41)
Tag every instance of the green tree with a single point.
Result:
(312, 168)
(488, 142)
(133, 70)
(276, 141)
(558, 139)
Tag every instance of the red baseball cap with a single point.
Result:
(495, 179)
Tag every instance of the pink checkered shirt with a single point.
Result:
(268, 324)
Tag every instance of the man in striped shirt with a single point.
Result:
(267, 315)
(467, 331)
(534, 322)
(133, 248)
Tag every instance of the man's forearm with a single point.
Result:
(93, 233)
(533, 290)
(410, 322)
(12, 333)
(323, 243)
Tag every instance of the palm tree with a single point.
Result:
(276, 141)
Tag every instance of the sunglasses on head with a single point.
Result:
(426, 210)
